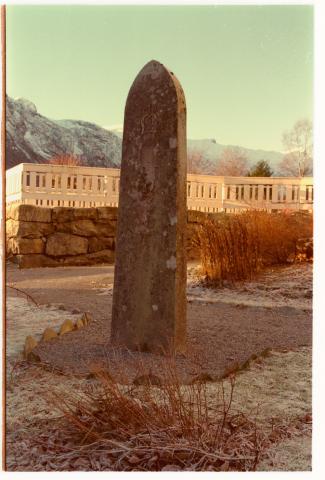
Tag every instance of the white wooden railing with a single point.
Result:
(61, 185)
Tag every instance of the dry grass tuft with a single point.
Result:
(236, 247)
(166, 427)
(153, 428)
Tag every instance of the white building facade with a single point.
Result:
(76, 186)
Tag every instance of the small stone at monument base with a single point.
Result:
(33, 357)
(67, 326)
(30, 344)
(48, 334)
(86, 318)
(79, 323)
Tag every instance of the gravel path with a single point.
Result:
(222, 335)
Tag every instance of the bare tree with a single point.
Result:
(196, 163)
(233, 162)
(66, 159)
(298, 142)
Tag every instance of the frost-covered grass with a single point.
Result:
(269, 413)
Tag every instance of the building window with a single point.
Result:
(188, 189)
(265, 193)
(69, 183)
(43, 181)
(27, 180)
(295, 193)
(53, 181)
(228, 193)
(242, 192)
(309, 193)
(237, 193)
(282, 193)
(37, 180)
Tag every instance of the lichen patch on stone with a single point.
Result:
(171, 263)
(173, 142)
(173, 220)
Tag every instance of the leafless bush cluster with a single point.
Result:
(66, 159)
(171, 426)
(236, 247)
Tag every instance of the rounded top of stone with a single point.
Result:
(153, 68)
(156, 71)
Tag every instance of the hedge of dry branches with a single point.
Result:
(236, 247)
(156, 428)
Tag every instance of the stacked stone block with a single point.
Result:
(62, 236)
(50, 237)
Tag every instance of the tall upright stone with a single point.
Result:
(149, 298)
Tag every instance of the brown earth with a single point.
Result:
(221, 336)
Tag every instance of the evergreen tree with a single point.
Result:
(261, 169)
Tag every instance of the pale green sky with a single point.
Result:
(247, 71)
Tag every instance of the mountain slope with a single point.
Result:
(33, 138)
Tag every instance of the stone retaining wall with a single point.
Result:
(61, 236)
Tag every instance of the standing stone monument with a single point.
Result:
(149, 298)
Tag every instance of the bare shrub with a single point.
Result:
(66, 159)
(148, 427)
(233, 162)
(236, 247)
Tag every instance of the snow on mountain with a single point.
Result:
(34, 138)
(117, 129)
